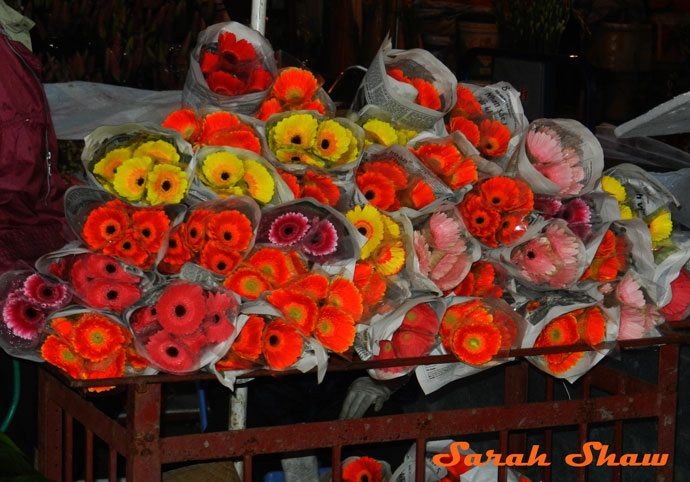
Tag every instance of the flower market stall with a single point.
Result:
(430, 232)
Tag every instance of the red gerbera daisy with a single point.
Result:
(181, 308)
(185, 122)
(101, 266)
(298, 309)
(215, 257)
(176, 254)
(104, 225)
(335, 329)
(281, 345)
(208, 61)
(422, 319)
(235, 50)
(231, 229)
(259, 80)
(377, 189)
(170, 355)
(364, 469)
(468, 128)
(409, 344)
(150, 226)
(114, 295)
(223, 83)
(343, 294)
(248, 342)
(493, 138)
(427, 95)
(387, 352)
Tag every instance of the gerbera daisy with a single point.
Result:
(410, 344)
(390, 258)
(511, 227)
(680, 297)
(128, 249)
(476, 344)
(387, 352)
(592, 325)
(506, 326)
(95, 337)
(466, 105)
(273, 265)
(150, 225)
(24, 318)
(421, 194)
(232, 361)
(181, 308)
(170, 355)
(493, 138)
(287, 229)
(398, 75)
(561, 363)
(480, 220)
(224, 83)
(440, 158)
(660, 225)
(367, 221)
(363, 469)
(107, 166)
(422, 319)
(562, 330)
(377, 189)
(369, 283)
(322, 239)
(379, 132)
(314, 104)
(247, 282)
(391, 170)
(343, 294)
(335, 329)
(233, 50)
(222, 169)
(352, 153)
(313, 285)
(613, 186)
(292, 183)
(468, 128)
(230, 229)
(114, 295)
(159, 151)
(221, 121)
(176, 254)
(166, 184)
(216, 257)
(240, 139)
(281, 345)
(217, 326)
(208, 61)
(298, 309)
(427, 95)
(194, 229)
(259, 181)
(269, 107)
(104, 225)
(248, 342)
(331, 140)
(185, 122)
(499, 192)
(144, 321)
(295, 156)
(543, 146)
(56, 352)
(297, 131)
(46, 295)
(320, 187)
(294, 86)
(259, 80)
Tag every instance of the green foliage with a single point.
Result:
(531, 25)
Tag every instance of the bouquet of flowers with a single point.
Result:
(294, 89)
(144, 164)
(609, 260)
(28, 298)
(215, 234)
(445, 252)
(491, 118)
(97, 280)
(555, 258)
(218, 128)
(445, 158)
(182, 326)
(318, 232)
(496, 210)
(638, 313)
(412, 84)
(90, 345)
(112, 227)
(483, 280)
(678, 307)
(309, 139)
(231, 67)
(224, 171)
(393, 179)
(321, 187)
(560, 157)
(380, 128)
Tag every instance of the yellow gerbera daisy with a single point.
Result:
(259, 181)
(294, 156)
(166, 184)
(379, 132)
(660, 225)
(332, 140)
(130, 178)
(626, 212)
(160, 151)
(390, 258)
(222, 169)
(405, 135)
(111, 161)
(352, 152)
(612, 186)
(392, 229)
(368, 222)
(296, 131)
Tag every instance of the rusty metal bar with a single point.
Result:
(666, 427)
(548, 434)
(68, 447)
(607, 379)
(88, 469)
(582, 429)
(143, 429)
(336, 468)
(49, 427)
(247, 468)
(419, 460)
(112, 465)
(503, 444)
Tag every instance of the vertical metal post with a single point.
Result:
(143, 431)
(49, 429)
(238, 416)
(258, 16)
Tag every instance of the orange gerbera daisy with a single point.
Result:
(218, 259)
(224, 83)
(480, 220)
(506, 326)
(391, 170)
(194, 230)
(476, 343)
(281, 345)
(295, 86)
(461, 314)
(364, 469)
(592, 326)
(298, 309)
(499, 192)
(292, 183)
(398, 75)
(468, 128)
(248, 342)
(220, 121)
(427, 95)
(370, 284)
(343, 294)
(511, 228)
(175, 255)
(56, 352)
(128, 249)
(150, 225)
(525, 198)
(230, 229)
(466, 105)
(95, 337)
(377, 189)
(479, 281)
(104, 225)
(273, 265)
(313, 285)
(440, 158)
(231, 361)
(335, 329)
(185, 122)
(62, 326)
(562, 330)
(320, 187)
(233, 50)
(269, 107)
(315, 105)
(493, 138)
(462, 174)
(240, 139)
(247, 282)
(422, 195)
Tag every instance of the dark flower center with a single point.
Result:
(110, 268)
(126, 245)
(31, 312)
(370, 195)
(166, 185)
(295, 158)
(146, 232)
(153, 312)
(140, 181)
(479, 220)
(225, 176)
(180, 311)
(172, 243)
(221, 266)
(363, 231)
(216, 318)
(227, 235)
(111, 295)
(364, 478)
(273, 340)
(288, 230)
(325, 144)
(296, 139)
(47, 292)
(496, 200)
(172, 352)
(531, 255)
(193, 233)
(110, 229)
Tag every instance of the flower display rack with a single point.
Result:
(139, 442)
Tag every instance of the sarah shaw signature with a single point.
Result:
(585, 457)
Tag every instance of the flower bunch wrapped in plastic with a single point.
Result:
(306, 138)
(234, 172)
(609, 260)
(495, 211)
(314, 185)
(27, 300)
(476, 330)
(265, 269)
(415, 337)
(317, 231)
(483, 280)
(295, 89)
(384, 132)
(444, 251)
(89, 345)
(219, 128)
(553, 258)
(426, 94)
(373, 287)
(215, 234)
(447, 162)
(578, 212)
(638, 314)
(146, 165)
(182, 326)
